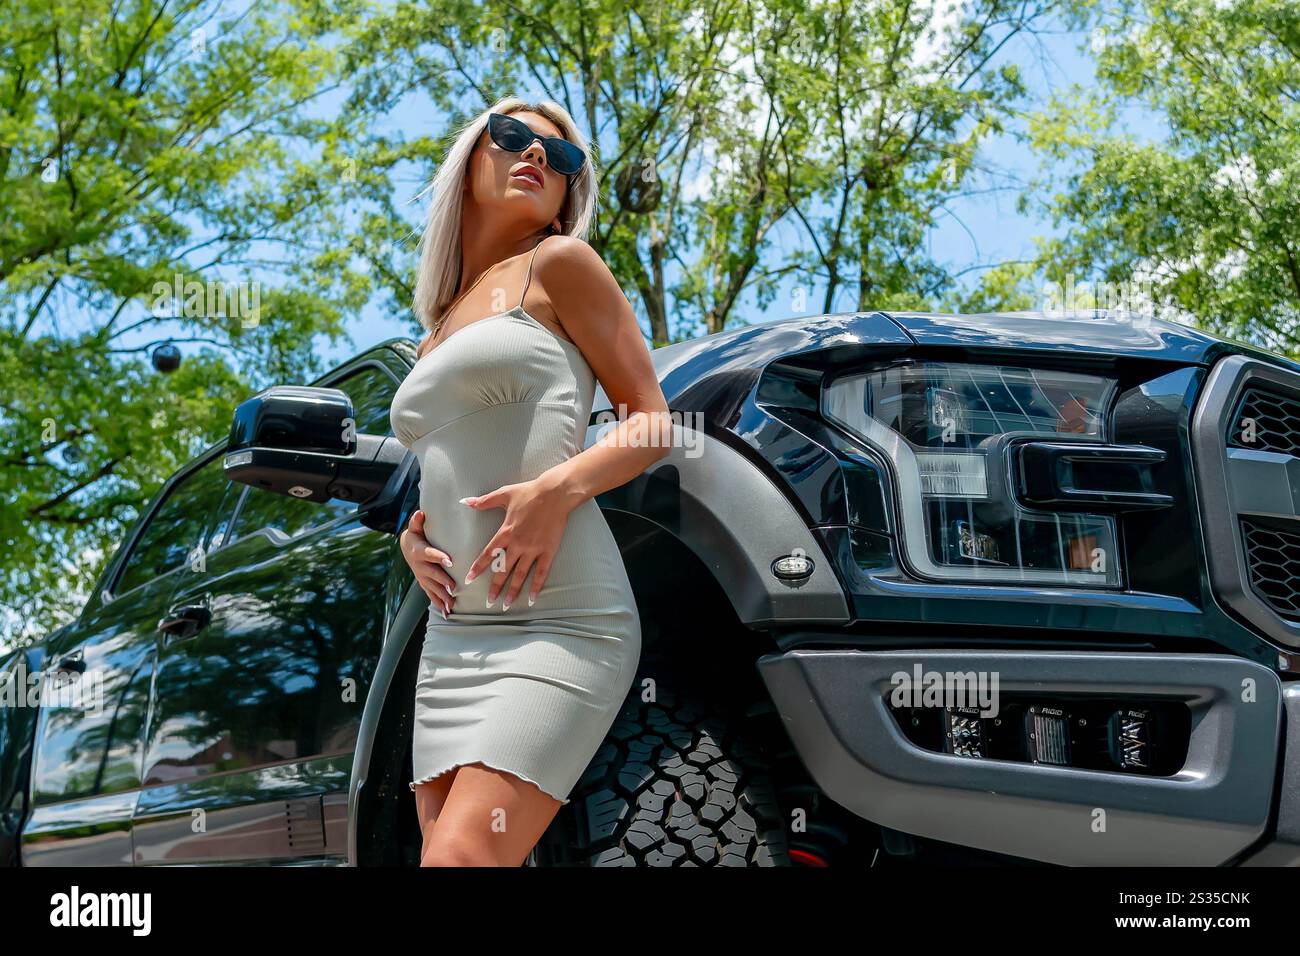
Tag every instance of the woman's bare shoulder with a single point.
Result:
(570, 259)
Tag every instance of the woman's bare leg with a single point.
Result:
(488, 818)
(429, 799)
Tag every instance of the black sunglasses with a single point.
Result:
(516, 136)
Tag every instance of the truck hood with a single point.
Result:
(1131, 335)
(730, 361)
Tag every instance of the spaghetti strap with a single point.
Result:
(529, 274)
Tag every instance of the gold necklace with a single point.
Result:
(456, 301)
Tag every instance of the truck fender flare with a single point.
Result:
(724, 509)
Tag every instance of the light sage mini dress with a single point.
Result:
(529, 690)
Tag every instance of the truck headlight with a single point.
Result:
(948, 429)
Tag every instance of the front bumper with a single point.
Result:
(1216, 806)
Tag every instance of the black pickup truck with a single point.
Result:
(915, 588)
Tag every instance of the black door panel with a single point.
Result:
(95, 700)
(262, 680)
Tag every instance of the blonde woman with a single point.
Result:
(533, 638)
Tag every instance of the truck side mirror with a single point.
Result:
(302, 441)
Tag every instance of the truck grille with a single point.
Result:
(1273, 559)
(1246, 448)
(1266, 421)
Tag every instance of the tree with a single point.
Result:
(717, 124)
(1200, 220)
(637, 76)
(904, 94)
(145, 146)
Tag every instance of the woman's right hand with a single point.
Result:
(428, 563)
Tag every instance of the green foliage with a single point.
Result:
(147, 143)
(897, 106)
(1203, 220)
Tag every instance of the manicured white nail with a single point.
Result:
(530, 600)
(446, 562)
(444, 613)
(505, 607)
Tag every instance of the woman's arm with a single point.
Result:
(592, 309)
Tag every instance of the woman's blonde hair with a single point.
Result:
(438, 272)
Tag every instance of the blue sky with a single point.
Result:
(988, 228)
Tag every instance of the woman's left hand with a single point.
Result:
(530, 533)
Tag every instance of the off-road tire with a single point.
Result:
(674, 784)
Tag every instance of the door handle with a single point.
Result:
(185, 621)
(71, 662)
